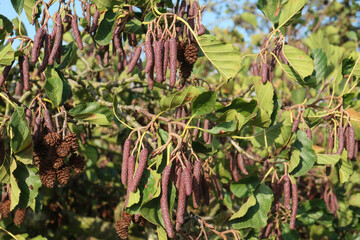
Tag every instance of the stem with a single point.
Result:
(348, 79)
(8, 100)
(267, 174)
(9, 233)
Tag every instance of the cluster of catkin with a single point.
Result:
(346, 140)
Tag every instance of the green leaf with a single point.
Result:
(256, 216)
(105, 4)
(204, 103)
(5, 168)
(251, 201)
(291, 73)
(28, 7)
(355, 200)
(245, 186)
(179, 98)
(303, 156)
(355, 121)
(18, 5)
(277, 135)
(291, 8)
(249, 18)
(345, 169)
(299, 60)
(320, 64)
(270, 8)
(15, 190)
(325, 159)
(6, 54)
(6, 25)
(223, 128)
(219, 53)
(56, 86)
(92, 112)
(21, 141)
(104, 33)
(68, 57)
(162, 235)
(264, 95)
(134, 26)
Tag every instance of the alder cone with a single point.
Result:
(58, 163)
(38, 42)
(77, 163)
(63, 149)
(191, 53)
(125, 158)
(140, 169)
(47, 175)
(72, 140)
(19, 216)
(164, 201)
(63, 175)
(5, 209)
(52, 138)
(122, 225)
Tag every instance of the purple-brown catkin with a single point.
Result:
(158, 53)
(149, 53)
(166, 57)
(294, 192)
(77, 34)
(201, 30)
(196, 130)
(287, 192)
(205, 187)
(25, 73)
(106, 55)
(295, 125)
(341, 140)
(48, 122)
(181, 206)
(309, 133)
(125, 158)
(150, 77)
(182, 8)
(205, 134)
(131, 169)
(217, 185)
(255, 69)
(330, 143)
(5, 73)
(117, 40)
(164, 204)
(95, 23)
(134, 59)
(28, 116)
(356, 150)
(58, 40)
(268, 230)
(234, 168)
(196, 183)
(350, 142)
(187, 179)
(38, 42)
(264, 73)
(47, 51)
(173, 60)
(183, 115)
(241, 164)
(37, 125)
(140, 169)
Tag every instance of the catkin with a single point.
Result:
(25, 73)
(158, 54)
(38, 42)
(28, 115)
(287, 192)
(294, 207)
(205, 134)
(350, 142)
(166, 57)
(196, 130)
(295, 125)
(77, 34)
(187, 179)
(140, 169)
(58, 40)
(125, 158)
(134, 59)
(173, 60)
(309, 133)
(149, 53)
(341, 140)
(131, 169)
(255, 69)
(164, 204)
(217, 185)
(47, 51)
(2, 151)
(196, 183)
(264, 73)
(95, 23)
(234, 169)
(48, 122)
(330, 143)
(182, 8)
(181, 206)
(5, 73)
(241, 164)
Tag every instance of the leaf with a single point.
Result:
(299, 60)
(270, 8)
(355, 200)
(5, 168)
(291, 8)
(162, 235)
(251, 201)
(179, 98)
(355, 121)
(104, 4)
(345, 169)
(277, 135)
(249, 18)
(18, 5)
(219, 53)
(6, 54)
(134, 26)
(223, 128)
(325, 159)
(68, 56)
(291, 73)
(28, 7)
(204, 103)
(56, 87)
(245, 186)
(320, 64)
(21, 142)
(264, 95)
(304, 158)
(15, 190)
(104, 33)
(92, 112)
(256, 216)
(7, 27)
